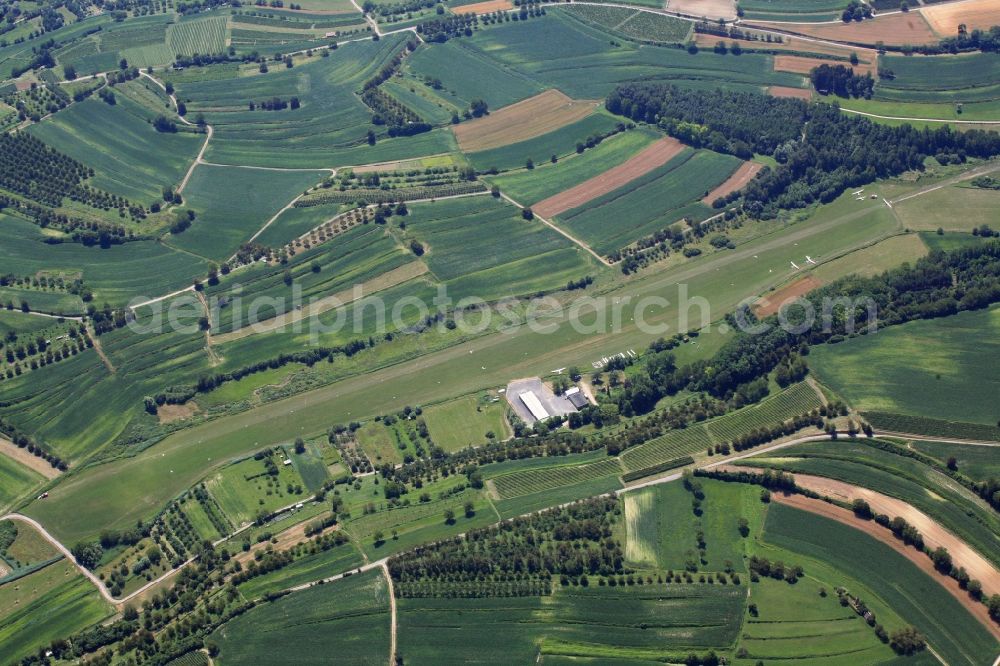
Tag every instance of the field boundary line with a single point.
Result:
(561, 231)
(921, 120)
(393, 621)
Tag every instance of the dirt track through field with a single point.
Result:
(821, 508)
(541, 114)
(32, 462)
(639, 164)
(737, 181)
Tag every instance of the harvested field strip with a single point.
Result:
(485, 7)
(388, 279)
(892, 29)
(524, 120)
(945, 18)
(772, 303)
(877, 559)
(642, 163)
(800, 65)
(533, 481)
(743, 175)
(29, 460)
(934, 533)
(784, 91)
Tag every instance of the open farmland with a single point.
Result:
(737, 181)
(876, 372)
(791, 10)
(529, 186)
(232, 204)
(977, 462)
(795, 622)
(661, 197)
(349, 618)
(961, 639)
(15, 479)
(974, 15)
(198, 35)
(636, 166)
(130, 157)
(641, 26)
(892, 29)
(573, 622)
(888, 470)
(527, 257)
(874, 259)
(52, 602)
(525, 120)
(532, 481)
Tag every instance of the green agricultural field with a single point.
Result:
(953, 633)
(961, 511)
(306, 569)
(877, 372)
(48, 604)
(529, 186)
(518, 484)
(605, 622)
(466, 421)
(793, 401)
(791, 10)
(526, 257)
(559, 51)
(198, 35)
(939, 73)
(633, 24)
(654, 201)
(233, 204)
(554, 496)
(328, 129)
(977, 462)
(479, 77)
(117, 274)
(349, 618)
(662, 528)
(796, 622)
(130, 158)
(13, 321)
(561, 143)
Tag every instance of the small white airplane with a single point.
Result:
(810, 259)
(794, 265)
(887, 202)
(858, 192)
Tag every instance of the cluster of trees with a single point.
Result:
(841, 81)
(30, 444)
(573, 541)
(807, 140)
(275, 104)
(856, 11)
(778, 570)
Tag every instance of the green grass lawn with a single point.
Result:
(465, 421)
(244, 488)
(306, 569)
(877, 371)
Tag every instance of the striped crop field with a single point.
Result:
(205, 36)
(793, 401)
(533, 481)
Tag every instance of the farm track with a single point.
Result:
(96, 341)
(921, 561)
(394, 622)
(562, 232)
